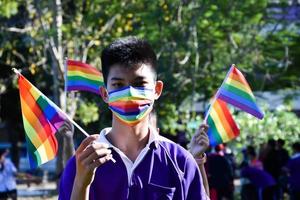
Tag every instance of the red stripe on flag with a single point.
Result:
(228, 116)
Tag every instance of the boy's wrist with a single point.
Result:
(80, 190)
(200, 159)
(79, 184)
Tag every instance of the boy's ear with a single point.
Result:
(158, 89)
(104, 94)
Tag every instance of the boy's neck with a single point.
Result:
(130, 140)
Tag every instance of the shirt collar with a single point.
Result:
(152, 142)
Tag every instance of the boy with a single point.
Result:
(148, 166)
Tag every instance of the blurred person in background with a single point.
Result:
(293, 169)
(282, 159)
(283, 155)
(260, 184)
(66, 150)
(228, 154)
(275, 158)
(220, 175)
(253, 160)
(256, 182)
(8, 171)
(270, 161)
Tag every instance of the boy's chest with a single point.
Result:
(153, 178)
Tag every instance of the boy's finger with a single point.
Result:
(203, 128)
(86, 142)
(96, 155)
(201, 138)
(100, 161)
(91, 148)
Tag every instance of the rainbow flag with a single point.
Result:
(83, 77)
(222, 127)
(236, 91)
(41, 121)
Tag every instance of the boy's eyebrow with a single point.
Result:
(116, 79)
(140, 78)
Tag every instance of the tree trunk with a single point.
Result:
(65, 135)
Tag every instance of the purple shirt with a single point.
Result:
(258, 177)
(167, 171)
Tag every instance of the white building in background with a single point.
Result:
(276, 99)
(273, 99)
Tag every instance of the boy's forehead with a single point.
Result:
(141, 70)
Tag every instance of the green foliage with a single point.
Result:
(168, 118)
(88, 112)
(196, 41)
(8, 8)
(277, 124)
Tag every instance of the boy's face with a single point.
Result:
(140, 76)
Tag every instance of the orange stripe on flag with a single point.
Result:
(220, 107)
(84, 70)
(240, 79)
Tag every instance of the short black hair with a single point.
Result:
(128, 52)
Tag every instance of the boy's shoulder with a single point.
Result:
(172, 146)
(175, 151)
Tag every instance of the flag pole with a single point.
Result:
(217, 94)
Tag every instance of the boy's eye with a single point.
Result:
(140, 84)
(117, 85)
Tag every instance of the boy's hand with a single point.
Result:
(89, 156)
(200, 141)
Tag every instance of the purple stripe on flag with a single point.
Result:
(238, 98)
(89, 89)
(57, 120)
(246, 108)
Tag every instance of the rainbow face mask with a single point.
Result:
(131, 104)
